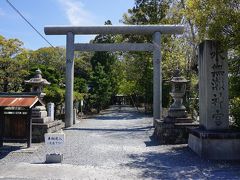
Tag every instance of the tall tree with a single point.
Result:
(216, 19)
(49, 57)
(103, 81)
(153, 12)
(13, 64)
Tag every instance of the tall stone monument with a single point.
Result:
(213, 87)
(213, 139)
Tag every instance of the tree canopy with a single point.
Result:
(13, 64)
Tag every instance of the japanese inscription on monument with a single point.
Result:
(213, 86)
(217, 82)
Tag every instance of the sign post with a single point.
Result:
(81, 107)
(54, 140)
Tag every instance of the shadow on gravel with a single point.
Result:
(120, 113)
(181, 163)
(120, 116)
(153, 142)
(39, 163)
(110, 130)
(5, 150)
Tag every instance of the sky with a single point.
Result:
(41, 13)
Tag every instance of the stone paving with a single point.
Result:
(116, 144)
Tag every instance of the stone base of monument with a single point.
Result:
(215, 145)
(54, 158)
(39, 129)
(173, 130)
(41, 124)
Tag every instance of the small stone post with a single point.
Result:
(50, 110)
(74, 115)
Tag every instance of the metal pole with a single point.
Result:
(29, 128)
(1, 125)
(157, 77)
(69, 80)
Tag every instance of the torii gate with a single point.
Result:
(155, 47)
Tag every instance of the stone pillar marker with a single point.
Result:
(213, 87)
(214, 139)
(50, 110)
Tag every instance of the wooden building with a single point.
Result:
(15, 117)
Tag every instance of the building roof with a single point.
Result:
(28, 101)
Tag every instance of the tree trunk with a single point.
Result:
(5, 85)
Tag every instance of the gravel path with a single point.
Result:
(114, 145)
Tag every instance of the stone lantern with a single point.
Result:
(173, 129)
(37, 83)
(177, 109)
(42, 120)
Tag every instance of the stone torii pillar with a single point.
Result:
(155, 47)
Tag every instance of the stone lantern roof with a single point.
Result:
(37, 83)
(37, 79)
(177, 78)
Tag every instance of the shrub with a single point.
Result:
(235, 111)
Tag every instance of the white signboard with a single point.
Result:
(54, 139)
(81, 102)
